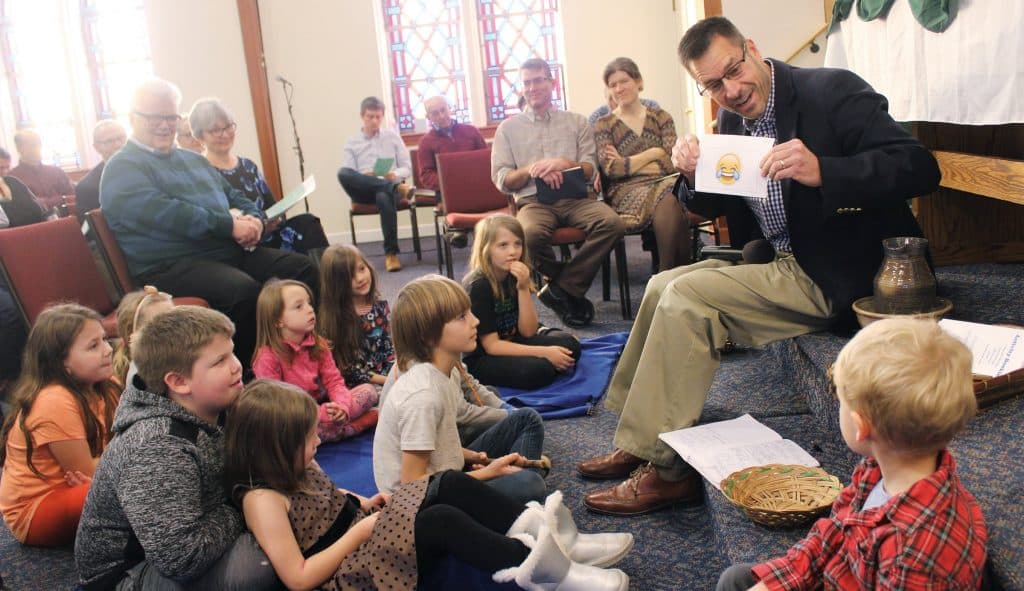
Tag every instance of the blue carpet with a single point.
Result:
(574, 393)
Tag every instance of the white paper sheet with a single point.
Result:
(294, 196)
(716, 450)
(996, 349)
(730, 164)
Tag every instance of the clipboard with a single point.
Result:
(293, 197)
(382, 166)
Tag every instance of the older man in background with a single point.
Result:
(182, 227)
(50, 184)
(445, 135)
(107, 137)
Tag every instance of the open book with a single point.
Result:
(996, 349)
(717, 450)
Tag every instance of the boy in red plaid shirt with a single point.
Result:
(905, 522)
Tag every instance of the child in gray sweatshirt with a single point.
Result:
(156, 513)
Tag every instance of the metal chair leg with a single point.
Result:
(415, 233)
(448, 258)
(623, 272)
(606, 271)
(437, 236)
(352, 227)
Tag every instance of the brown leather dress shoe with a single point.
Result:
(618, 464)
(391, 262)
(644, 492)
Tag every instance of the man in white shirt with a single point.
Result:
(359, 170)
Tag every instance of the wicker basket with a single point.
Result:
(780, 494)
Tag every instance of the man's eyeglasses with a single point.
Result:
(222, 131)
(155, 120)
(718, 84)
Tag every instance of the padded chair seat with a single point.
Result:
(371, 208)
(466, 221)
(567, 235)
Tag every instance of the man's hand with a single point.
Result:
(792, 160)
(391, 176)
(553, 178)
(542, 168)
(560, 357)
(245, 232)
(521, 272)
(684, 156)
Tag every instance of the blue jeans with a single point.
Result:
(243, 566)
(521, 432)
(371, 190)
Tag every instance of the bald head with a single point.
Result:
(438, 112)
(29, 146)
(107, 137)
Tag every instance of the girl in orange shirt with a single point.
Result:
(63, 406)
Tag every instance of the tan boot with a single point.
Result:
(391, 262)
(405, 191)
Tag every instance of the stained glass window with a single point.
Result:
(70, 63)
(425, 49)
(511, 32)
(117, 49)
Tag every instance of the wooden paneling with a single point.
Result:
(252, 44)
(961, 226)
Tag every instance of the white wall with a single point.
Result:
(329, 49)
(197, 44)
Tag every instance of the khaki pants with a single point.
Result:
(687, 313)
(600, 222)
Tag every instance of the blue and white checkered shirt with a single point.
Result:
(770, 212)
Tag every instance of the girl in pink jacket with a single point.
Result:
(288, 349)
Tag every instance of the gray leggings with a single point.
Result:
(244, 566)
(737, 578)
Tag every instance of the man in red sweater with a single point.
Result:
(445, 135)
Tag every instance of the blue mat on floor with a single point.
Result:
(575, 392)
(349, 463)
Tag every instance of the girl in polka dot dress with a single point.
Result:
(316, 535)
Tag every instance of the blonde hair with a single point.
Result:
(486, 233)
(269, 307)
(265, 437)
(130, 317)
(173, 341)
(336, 318)
(911, 382)
(421, 310)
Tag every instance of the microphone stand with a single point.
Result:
(288, 89)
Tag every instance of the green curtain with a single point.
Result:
(934, 15)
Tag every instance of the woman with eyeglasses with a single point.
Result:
(634, 146)
(214, 126)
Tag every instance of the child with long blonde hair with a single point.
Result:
(513, 349)
(341, 541)
(354, 317)
(135, 310)
(64, 405)
(289, 349)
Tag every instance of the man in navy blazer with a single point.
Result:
(839, 177)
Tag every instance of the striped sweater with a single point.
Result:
(163, 207)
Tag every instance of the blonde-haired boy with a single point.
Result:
(906, 521)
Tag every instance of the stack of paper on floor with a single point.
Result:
(997, 350)
(716, 450)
